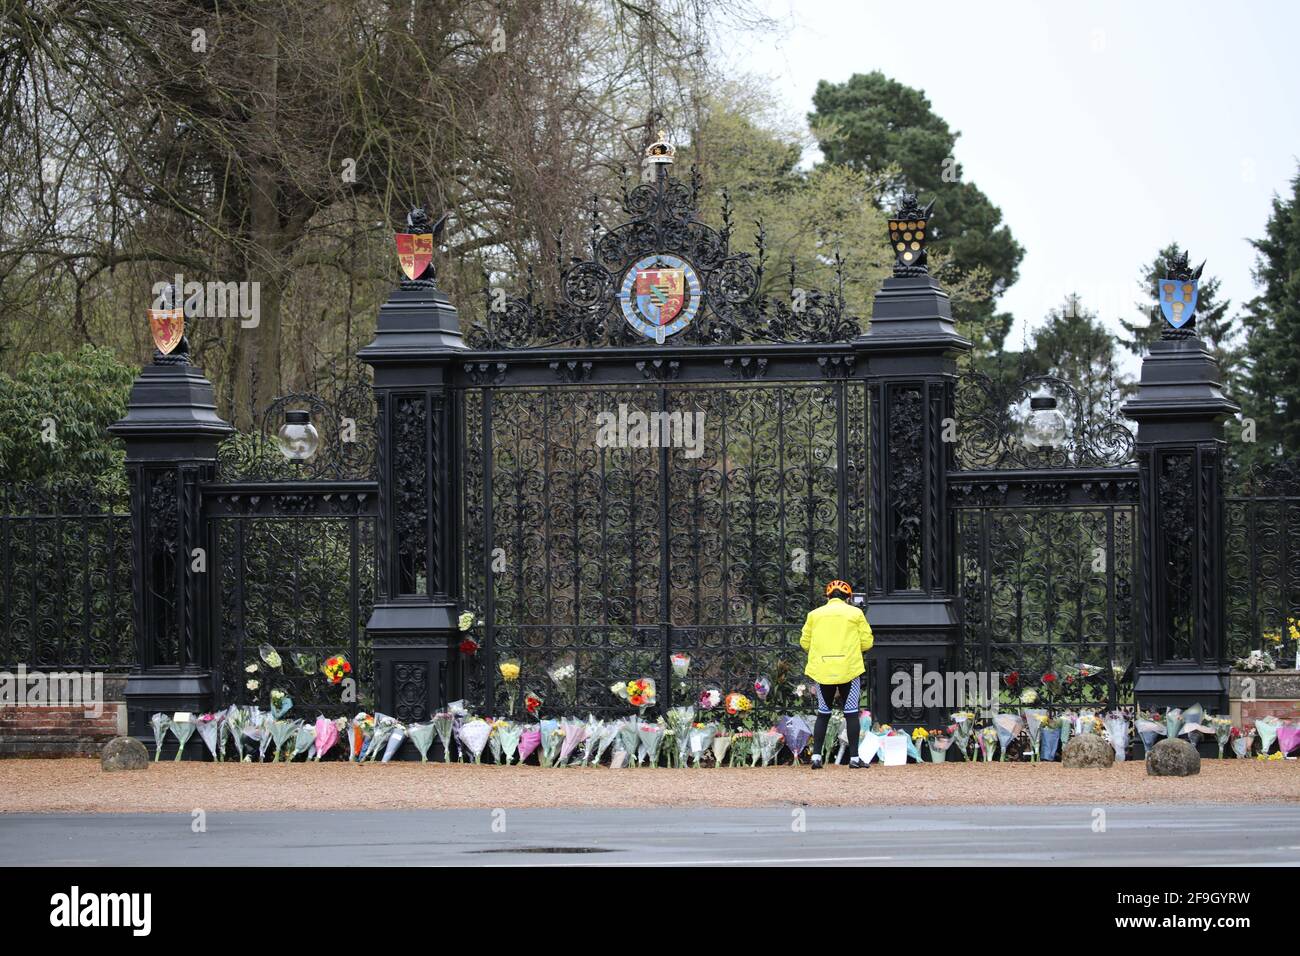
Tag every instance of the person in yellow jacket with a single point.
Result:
(835, 635)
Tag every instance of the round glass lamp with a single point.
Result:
(1045, 427)
(297, 437)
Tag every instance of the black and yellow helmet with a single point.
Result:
(839, 587)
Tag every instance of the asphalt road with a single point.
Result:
(949, 836)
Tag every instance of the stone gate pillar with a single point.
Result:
(171, 431)
(1180, 411)
(911, 349)
(413, 629)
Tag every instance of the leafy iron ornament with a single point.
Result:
(663, 275)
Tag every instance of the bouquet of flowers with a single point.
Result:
(360, 732)
(720, 746)
(510, 670)
(327, 735)
(742, 747)
(629, 739)
(552, 737)
(422, 736)
(1288, 736)
(1222, 727)
(575, 732)
(834, 727)
(1192, 728)
(1149, 727)
(182, 730)
(651, 738)
(939, 743)
(963, 723)
(1035, 721)
(281, 703)
(159, 722)
(1266, 728)
(1117, 726)
(336, 668)
(1049, 737)
(1242, 743)
(473, 734)
(762, 687)
(1173, 722)
(270, 656)
(281, 732)
(681, 665)
(680, 720)
(234, 728)
(444, 722)
(510, 734)
(795, 732)
(608, 734)
(532, 704)
(384, 728)
(640, 693)
(304, 738)
(259, 729)
(211, 733)
(529, 741)
(738, 704)
(565, 678)
(700, 739)
(987, 741)
(769, 742)
(710, 697)
(1007, 727)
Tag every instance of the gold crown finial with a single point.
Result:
(660, 151)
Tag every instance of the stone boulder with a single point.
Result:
(124, 753)
(1087, 751)
(1173, 758)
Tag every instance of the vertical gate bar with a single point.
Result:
(782, 542)
(841, 487)
(1110, 606)
(354, 588)
(60, 578)
(1252, 511)
(85, 593)
(549, 611)
(665, 549)
(725, 396)
(489, 535)
(241, 616)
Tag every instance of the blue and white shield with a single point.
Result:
(1177, 300)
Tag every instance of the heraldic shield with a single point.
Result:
(167, 326)
(1178, 300)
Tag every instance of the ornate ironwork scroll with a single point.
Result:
(662, 220)
(348, 440)
(1262, 561)
(991, 417)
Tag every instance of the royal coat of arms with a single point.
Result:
(660, 296)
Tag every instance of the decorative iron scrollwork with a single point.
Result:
(662, 219)
(991, 418)
(347, 427)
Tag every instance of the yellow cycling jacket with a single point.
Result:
(835, 635)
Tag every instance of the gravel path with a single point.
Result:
(78, 785)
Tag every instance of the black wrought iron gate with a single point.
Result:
(612, 550)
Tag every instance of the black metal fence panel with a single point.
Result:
(1262, 518)
(65, 578)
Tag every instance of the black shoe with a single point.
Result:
(856, 763)
(816, 761)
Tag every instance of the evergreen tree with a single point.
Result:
(1073, 345)
(1272, 324)
(878, 125)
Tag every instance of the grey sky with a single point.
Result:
(1103, 130)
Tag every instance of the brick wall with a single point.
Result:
(61, 731)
